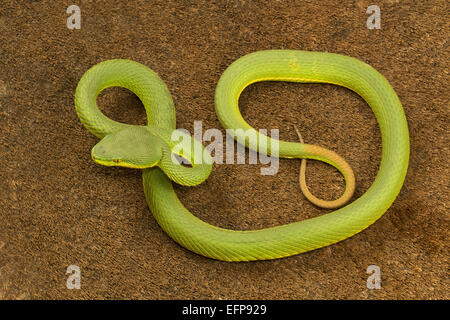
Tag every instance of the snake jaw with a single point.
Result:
(117, 162)
(121, 163)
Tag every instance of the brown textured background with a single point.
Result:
(57, 207)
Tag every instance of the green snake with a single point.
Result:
(151, 148)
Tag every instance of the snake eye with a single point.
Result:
(117, 160)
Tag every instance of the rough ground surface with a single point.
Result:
(58, 208)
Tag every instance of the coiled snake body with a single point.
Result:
(151, 148)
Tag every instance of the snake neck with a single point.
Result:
(191, 175)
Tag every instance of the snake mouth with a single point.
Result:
(103, 162)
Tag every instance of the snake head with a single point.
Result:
(133, 147)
